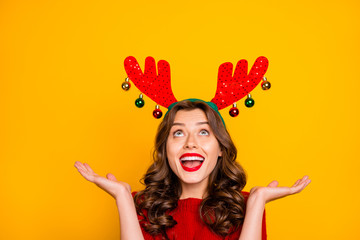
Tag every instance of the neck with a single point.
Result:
(194, 190)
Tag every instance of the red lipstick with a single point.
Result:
(191, 169)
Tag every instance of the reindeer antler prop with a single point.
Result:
(230, 88)
(155, 86)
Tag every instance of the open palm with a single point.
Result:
(273, 192)
(109, 184)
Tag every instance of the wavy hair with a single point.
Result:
(223, 209)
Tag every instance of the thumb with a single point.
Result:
(273, 184)
(111, 177)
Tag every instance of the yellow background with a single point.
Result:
(61, 69)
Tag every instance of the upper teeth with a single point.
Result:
(191, 158)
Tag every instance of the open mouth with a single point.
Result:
(191, 163)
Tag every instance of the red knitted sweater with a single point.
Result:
(190, 226)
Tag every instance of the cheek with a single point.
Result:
(171, 153)
(213, 163)
(213, 148)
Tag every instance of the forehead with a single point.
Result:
(190, 116)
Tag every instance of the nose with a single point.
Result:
(190, 142)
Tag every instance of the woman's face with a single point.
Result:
(192, 148)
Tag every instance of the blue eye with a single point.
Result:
(178, 133)
(204, 132)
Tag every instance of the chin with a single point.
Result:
(193, 180)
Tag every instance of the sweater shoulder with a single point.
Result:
(245, 194)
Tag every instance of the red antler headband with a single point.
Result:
(230, 88)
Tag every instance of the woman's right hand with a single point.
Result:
(109, 184)
(129, 224)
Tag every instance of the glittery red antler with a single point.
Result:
(231, 89)
(155, 86)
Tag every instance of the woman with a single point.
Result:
(193, 188)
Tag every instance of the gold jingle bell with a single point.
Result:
(126, 85)
(265, 85)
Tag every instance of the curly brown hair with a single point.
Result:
(223, 209)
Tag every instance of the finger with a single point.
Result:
(77, 162)
(297, 183)
(297, 188)
(300, 181)
(88, 168)
(79, 165)
(86, 175)
(307, 182)
(301, 185)
(304, 184)
(273, 184)
(111, 177)
(303, 180)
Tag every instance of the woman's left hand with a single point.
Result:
(273, 192)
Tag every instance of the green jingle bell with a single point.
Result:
(126, 85)
(140, 101)
(249, 102)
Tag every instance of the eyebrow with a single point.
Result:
(182, 124)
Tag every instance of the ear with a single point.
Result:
(220, 154)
